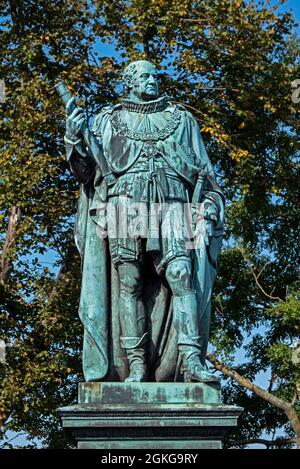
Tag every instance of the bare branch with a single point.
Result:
(262, 269)
(204, 19)
(11, 439)
(270, 296)
(256, 277)
(196, 20)
(94, 58)
(217, 88)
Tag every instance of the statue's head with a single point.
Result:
(141, 81)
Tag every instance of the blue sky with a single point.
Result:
(290, 5)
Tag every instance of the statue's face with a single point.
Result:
(145, 83)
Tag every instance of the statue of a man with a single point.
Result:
(145, 300)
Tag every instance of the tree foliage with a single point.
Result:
(232, 64)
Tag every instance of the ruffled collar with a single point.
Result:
(146, 107)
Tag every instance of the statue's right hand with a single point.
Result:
(75, 121)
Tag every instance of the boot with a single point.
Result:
(192, 368)
(191, 345)
(135, 352)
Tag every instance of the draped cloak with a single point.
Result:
(178, 139)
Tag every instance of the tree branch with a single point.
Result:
(64, 269)
(256, 277)
(146, 48)
(286, 407)
(262, 441)
(246, 383)
(11, 439)
(5, 261)
(270, 296)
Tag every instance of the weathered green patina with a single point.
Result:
(145, 300)
(149, 415)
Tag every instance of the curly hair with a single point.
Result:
(130, 72)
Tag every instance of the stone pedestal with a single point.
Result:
(149, 416)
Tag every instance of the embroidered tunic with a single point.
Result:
(149, 149)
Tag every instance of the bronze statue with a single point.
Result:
(145, 299)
